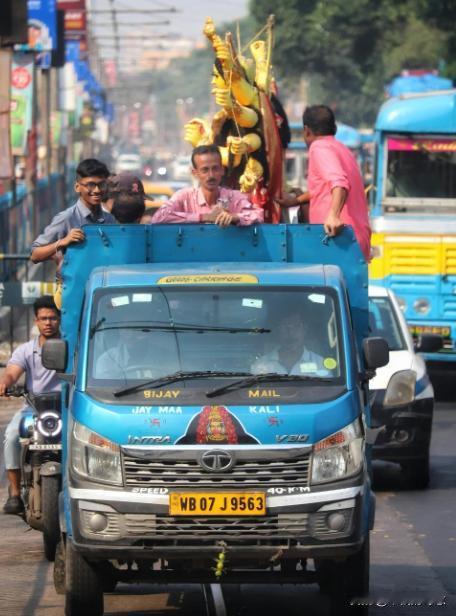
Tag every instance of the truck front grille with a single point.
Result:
(247, 473)
(211, 528)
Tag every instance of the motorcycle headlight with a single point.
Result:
(401, 388)
(338, 456)
(49, 424)
(94, 456)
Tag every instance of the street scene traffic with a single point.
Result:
(227, 322)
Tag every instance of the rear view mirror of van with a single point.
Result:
(376, 352)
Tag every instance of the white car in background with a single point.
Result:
(131, 163)
(401, 393)
(181, 169)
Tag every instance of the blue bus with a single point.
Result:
(413, 211)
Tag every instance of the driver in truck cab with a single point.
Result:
(291, 353)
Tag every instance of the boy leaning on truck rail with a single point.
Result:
(65, 227)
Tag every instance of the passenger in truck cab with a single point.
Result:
(130, 354)
(209, 202)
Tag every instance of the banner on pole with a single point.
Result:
(21, 101)
(6, 159)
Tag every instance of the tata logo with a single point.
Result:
(292, 438)
(148, 440)
(216, 461)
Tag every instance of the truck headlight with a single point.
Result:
(421, 305)
(338, 456)
(94, 456)
(402, 303)
(401, 388)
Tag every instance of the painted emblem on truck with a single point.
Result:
(215, 425)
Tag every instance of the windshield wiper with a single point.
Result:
(176, 376)
(259, 378)
(180, 328)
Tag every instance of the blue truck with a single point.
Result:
(215, 410)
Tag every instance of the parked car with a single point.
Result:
(402, 397)
(129, 162)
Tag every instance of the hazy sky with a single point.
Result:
(189, 21)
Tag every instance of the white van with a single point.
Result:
(402, 397)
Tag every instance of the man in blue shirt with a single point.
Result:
(26, 359)
(65, 227)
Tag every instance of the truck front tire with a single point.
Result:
(83, 592)
(350, 584)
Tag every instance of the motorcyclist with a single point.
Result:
(38, 379)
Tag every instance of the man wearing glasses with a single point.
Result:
(26, 359)
(65, 227)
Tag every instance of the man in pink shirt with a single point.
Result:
(334, 182)
(209, 202)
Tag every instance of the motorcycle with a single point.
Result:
(40, 432)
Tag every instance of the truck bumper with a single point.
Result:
(330, 523)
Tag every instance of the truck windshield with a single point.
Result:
(204, 334)
(420, 168)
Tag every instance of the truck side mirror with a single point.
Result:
(429, 343)
(54, 354)
(376, 352)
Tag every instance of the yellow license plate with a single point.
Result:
(444, 330)
(217, 503)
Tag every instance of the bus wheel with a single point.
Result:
(83, 592)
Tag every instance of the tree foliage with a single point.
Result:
(349, 50)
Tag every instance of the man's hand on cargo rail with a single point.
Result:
(42, 253)
(333, 225)
(220, 217)
(74, 236)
